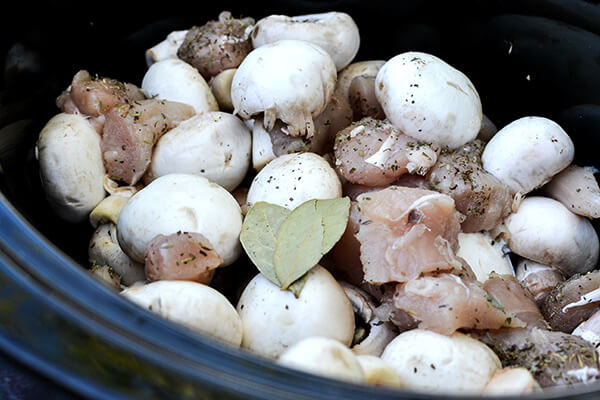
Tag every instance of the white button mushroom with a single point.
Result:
(181, 202)
(527, 153)
(545, 231)
(354, 70)
(109, 208)
(323, 356)
(378, 372)
(577, 189)
(214, 144)
(428, 99)
(175, 80)
(194, 305)
(292, 179)
(262, 146)
(221, 88)
(275, 319)
(335, 32)
(429, 361)
(165, 49)
(291, 80)
(484, 254)
(71, 166)
(104, 249)
(511, 381)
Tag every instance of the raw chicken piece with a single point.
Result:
(553, 358)
(538, 278)
(181, 256)
(94, 96)
(478, 194)
(406, 232)
(217, 45)
(446, 303)
(375, 153)
(572, 302)
(131, 131)
(515, 300)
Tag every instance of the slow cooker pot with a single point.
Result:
(526, 57)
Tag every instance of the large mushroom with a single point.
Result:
(428, 99)
(181, 202)
(71, 166)
(291, 80)
(275, 319)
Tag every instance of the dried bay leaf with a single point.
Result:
(258, 236)
(299, 243)
(335, 213)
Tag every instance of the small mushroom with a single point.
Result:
(181, 202)
(429, 100)
(262, 145)
(108, 210)
(275, 319)
(590, 329)
(107, 276)
(104, 249)
(577, 189)
(335, 32)
(378, 372)
(429, 361)
(71, 166)
(323, 356)
(292, 179)
(511, 381)
(214, 144)
(175, 80)
(484, 254)
(193, 305)
(221, 88)
(291, 80)
(538, 278)
(366, 69)
(527, 153)
(545, 231)
(166, 49)
(372, 334)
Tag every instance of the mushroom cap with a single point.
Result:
(526, 153)
(323, 356)
(484, 254)
(361, 68)
(214, 144)
(221, 88)
(165, 49)
(71, 166)
(428, 99)
(109, 208)
(291, 80)
(429, 361)
(194, 305)
(275, 319)
(292, 179)
(176, 80)
(511, 381)
(545, 231)
(104, 249)
(378, 372)
(262, 145)
(181, 202)
(335, 32)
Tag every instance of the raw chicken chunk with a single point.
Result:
(375, 153)
(480, 196)
(130, 132)
(407, 232)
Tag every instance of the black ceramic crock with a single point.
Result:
(527, 57)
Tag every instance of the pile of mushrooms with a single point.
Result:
(239, 112)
